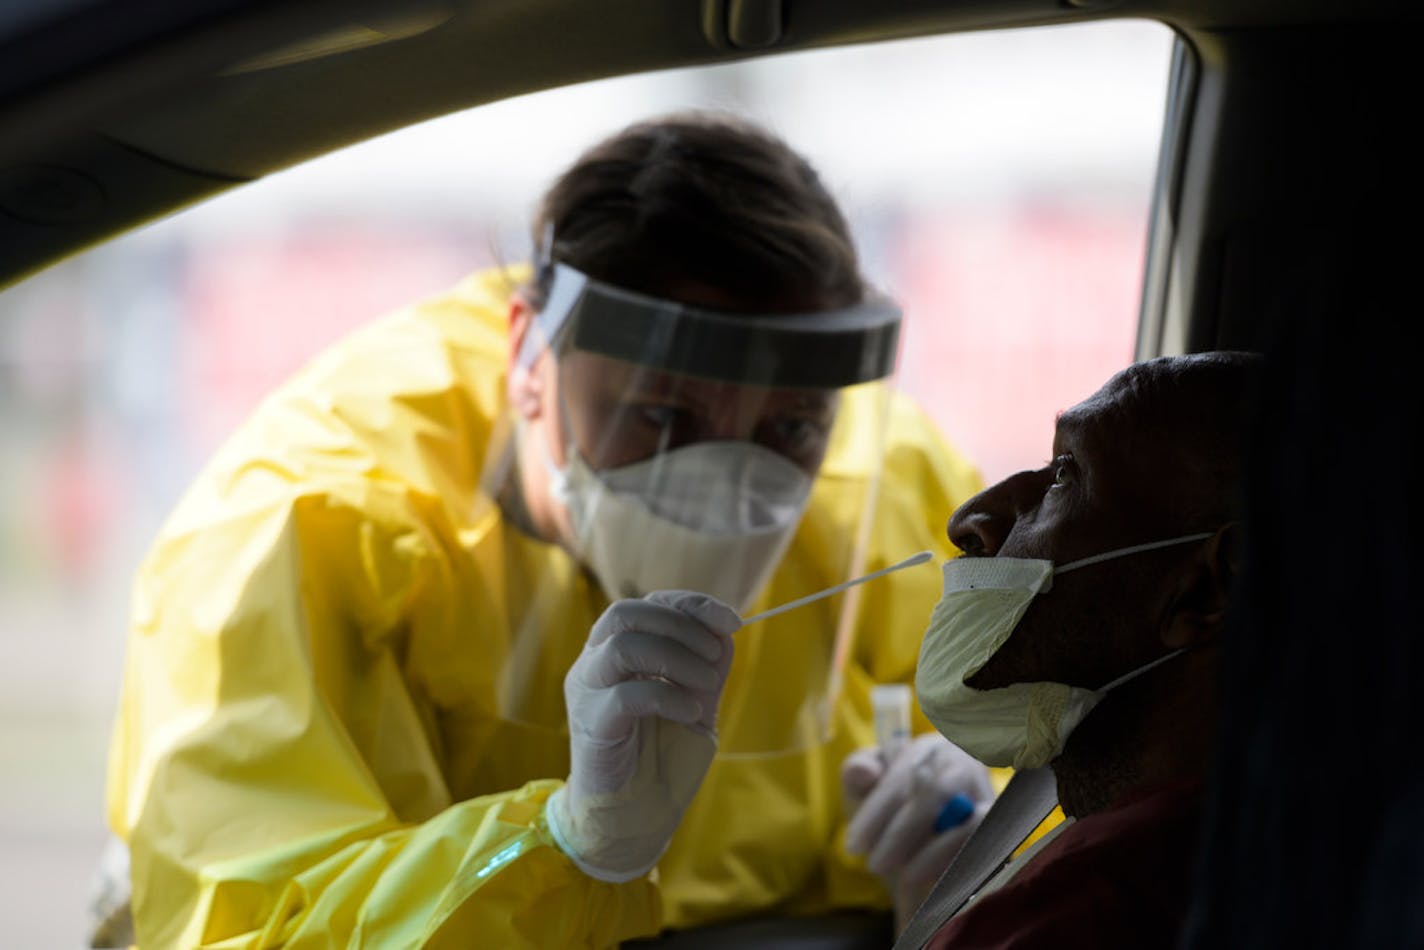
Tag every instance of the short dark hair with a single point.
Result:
(1200, 401)
(700, 198)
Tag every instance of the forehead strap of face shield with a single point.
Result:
(821, 350)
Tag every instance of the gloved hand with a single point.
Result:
(896, 805)
(642, 706)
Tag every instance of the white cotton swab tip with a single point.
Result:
(920, 558)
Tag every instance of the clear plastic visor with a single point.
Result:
(828, 349)
(710, 451)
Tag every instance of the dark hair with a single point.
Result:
(699, 199)
(1201, 401)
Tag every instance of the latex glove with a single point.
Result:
(894, 806)
(642, 706)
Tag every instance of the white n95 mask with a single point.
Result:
(1024, 725)
(714, 517)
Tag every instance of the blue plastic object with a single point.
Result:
(955, 812)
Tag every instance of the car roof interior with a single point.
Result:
(1285, 159)
(114, 113)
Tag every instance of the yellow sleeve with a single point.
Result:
(277, 762)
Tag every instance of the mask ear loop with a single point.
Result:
(1134, 674)
(1124, 552)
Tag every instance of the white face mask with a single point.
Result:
(1024, 725)
(714, 517)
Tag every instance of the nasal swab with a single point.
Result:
(920, 558)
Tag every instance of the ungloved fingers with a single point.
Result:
(645, 616)
(880, 806)
(926, 865)
(621, 705)
(634, 655)
(859, 773)
(708, 610)
(906, 832)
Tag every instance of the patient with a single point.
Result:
(1103, 580)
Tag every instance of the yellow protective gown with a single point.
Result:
(310, 749)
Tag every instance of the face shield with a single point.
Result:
(733, 454)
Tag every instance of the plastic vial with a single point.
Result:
(891, 705)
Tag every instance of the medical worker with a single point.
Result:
(445, 646)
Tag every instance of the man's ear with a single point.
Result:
(525, 379)
(1203, 591)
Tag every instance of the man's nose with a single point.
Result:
(980, 526)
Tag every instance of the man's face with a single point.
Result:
(1099, 492)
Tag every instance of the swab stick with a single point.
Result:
(920, 558)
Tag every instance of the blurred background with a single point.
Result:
(998, 185)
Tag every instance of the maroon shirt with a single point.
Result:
(1117, 879)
